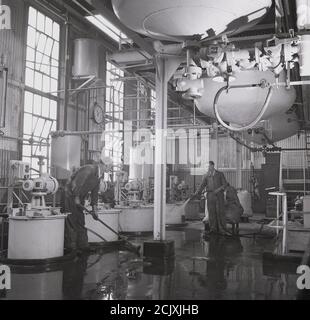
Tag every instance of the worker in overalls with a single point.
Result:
(83, 181)
(214, 183)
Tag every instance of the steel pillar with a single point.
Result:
(165, 67)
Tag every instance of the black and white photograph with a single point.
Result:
(154, 154)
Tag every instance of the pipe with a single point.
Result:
(253, 123)
(66, 74)
(4, 96)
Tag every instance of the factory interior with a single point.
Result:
(154, 150)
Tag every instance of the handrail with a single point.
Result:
(284, 217)
(259, 117)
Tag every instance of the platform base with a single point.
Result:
(158, 249)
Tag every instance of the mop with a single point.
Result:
(132, 247)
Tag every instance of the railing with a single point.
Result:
(281, 197)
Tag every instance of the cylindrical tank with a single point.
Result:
(176, 20)
(36, 238)
(66, 155)
(135, 220)
(111, 218)
(246, 202)
(242, 106)
(86, 58)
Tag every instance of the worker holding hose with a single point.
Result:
(214, 183)
(83, 181)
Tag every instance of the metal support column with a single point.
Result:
(165, 67)
(239, 165)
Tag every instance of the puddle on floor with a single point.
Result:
(217, 268)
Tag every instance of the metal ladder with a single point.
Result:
(308, 150)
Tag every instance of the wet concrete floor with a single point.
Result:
(216, 268)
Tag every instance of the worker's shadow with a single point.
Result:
(222, 253)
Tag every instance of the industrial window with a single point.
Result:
(153, 104)
(115, 111)
(41, 80)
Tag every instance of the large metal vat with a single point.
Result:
(36, 238)
(66, 155)
(242, 106)
(170, 19)
(111, 218)
(135, 220)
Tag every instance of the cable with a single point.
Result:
(253, 123)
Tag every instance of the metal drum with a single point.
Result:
(36, 238)
(136, 220)
(86, 57)
(111, 218)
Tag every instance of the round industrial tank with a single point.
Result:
(282, 126)
(66, 155)
(36, 238)
(177, 20)
(242, 106)
(246, 202)
(111, 218)
(86, 58)
(136, 220)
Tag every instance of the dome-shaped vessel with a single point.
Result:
(177, 20)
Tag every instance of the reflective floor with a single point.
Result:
(204, 269)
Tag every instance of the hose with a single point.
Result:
(253, 123)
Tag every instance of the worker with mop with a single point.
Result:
(214, 183)
(83, 181)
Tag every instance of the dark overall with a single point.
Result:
(83, 181)
(212, 182)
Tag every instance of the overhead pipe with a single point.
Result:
(253, 123)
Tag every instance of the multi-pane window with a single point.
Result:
(114, 112)
(153, 103)
(42, 59)
(41, 80)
